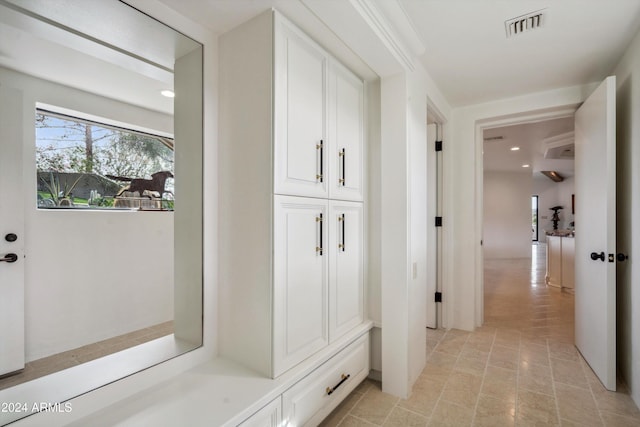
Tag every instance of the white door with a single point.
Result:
(346, 263)
(346, 131)
(11, 232)
(300, 114)
(300, 294)
(595, 217)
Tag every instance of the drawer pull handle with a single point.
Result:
(344, 378)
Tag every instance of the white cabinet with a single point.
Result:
(554, 265)
(346, 134)
(560, 261)
(318, 275)
(568, 255)
(318, 118)
(300, 71)
(309, 401)
(346, 284)
(300, 276)
(291, 141)
(268, 416)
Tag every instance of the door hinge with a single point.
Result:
(438, 221)
(438, 145)
(438, 297)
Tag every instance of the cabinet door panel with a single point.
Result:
(346, 130)
(300, 114)
(300, 280)
(346, 284)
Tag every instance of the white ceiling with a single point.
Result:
(471, 60)
(497, 154)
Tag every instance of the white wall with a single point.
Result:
(507, 215)
(463, 193)
(89, 275)
(628, 208)
(417, 127)
(395, 234)
(403, 225)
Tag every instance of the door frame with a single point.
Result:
(436, 117)
(530, 116)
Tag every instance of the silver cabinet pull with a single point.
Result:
(343, 155)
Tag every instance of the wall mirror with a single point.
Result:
(101, 271)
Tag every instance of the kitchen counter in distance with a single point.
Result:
(560, 261)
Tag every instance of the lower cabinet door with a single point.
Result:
(268, 416)
(310, 400)
(300, 280)
(346, 266)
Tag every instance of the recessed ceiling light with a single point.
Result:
(168, 93)
(525, 166)
(515, 148)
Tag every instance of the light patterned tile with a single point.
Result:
(569, 372)
(535, 377)
(471, 366)
(616, 420)
(462, 389)
(577, 404)
(402, 418)
(449, 414)
(504, 357)
(492, 412)
(619, 403)
(424, 396)
(375, 406)
(351, 421)
(536, 409)
(534, 353)
(563, 350)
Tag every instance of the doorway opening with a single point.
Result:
(516, 202)
(534, 218)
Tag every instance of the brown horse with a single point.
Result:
(156, 183)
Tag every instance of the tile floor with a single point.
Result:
(519, 369)
(57, 362)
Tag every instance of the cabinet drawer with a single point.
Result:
(268, 416)
(310, 400)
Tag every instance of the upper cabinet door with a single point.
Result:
(346, 134)
(300, 105)
(346, 267)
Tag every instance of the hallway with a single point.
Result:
(520, 368)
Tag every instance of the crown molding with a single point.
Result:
(384, 29)
(379, 31)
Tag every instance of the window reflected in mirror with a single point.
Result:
(84, 164)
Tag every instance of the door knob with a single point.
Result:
(622, 257)
(595, 256)
(9, 258)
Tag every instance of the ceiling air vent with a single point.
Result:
(520, 24)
